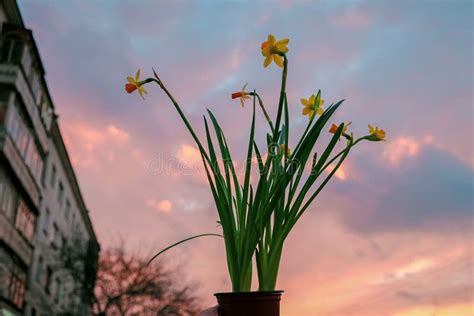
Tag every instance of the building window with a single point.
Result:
(23, 138)
(15, 209)
(43, 175)
(8, 196)
(56, 238)
(53, 175)
(36, 88)
(5, 96)
(46, 113)
(47, 215)
(25, 221)
(57, 290)
(39, 271)
(60, 193)
(11, 49)
(12, 279)
(38, 95)
(4, 99)
(27, 63)
(67, 210)
(17, 129)
(34, 160)
(47, 283)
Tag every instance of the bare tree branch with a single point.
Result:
(127, 285)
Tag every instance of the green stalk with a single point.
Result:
(180, 112)
(262, 106)
(282, 95)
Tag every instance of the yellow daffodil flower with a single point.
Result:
(273, 49)
(310, 108)
(134, 84)
(376, 134)
(243, 95)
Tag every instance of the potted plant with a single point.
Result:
(257, 219)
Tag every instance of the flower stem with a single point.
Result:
(282, 96)
(262, 106)
(180, 112)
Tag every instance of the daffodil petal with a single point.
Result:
(281, 45)
(320, 111)
(278, 60)
(307, 110)
(142, 88)
(282, 42)
(131, 80)
(271, 39)
(371, 129)
(137, 75)
(267, 61)
(283, 49)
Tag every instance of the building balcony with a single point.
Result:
(12, 74)
(10, 236)
(10, 152)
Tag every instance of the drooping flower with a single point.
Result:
(135, 84)
(273, 50)
(243, 95)
(335, 127)
(310, 106)
(376, 134)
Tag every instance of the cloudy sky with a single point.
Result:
(391, 235)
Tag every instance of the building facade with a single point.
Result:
(48, 248)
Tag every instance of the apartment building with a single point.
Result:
(48, 248)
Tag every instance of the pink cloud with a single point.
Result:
(189, 155)
(89, 144)
(344, 172)
(449, 310)
(117, 134)
(163, 206)
(334, 287)
(401, 148)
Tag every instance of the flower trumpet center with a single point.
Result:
(130, 87)
(274, 50)
(333, 129)
(237, 95)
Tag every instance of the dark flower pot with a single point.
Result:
(249, 303)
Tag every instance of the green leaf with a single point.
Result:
(180, 242)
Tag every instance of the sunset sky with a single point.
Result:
(392, 234)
